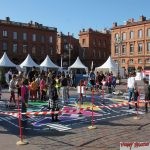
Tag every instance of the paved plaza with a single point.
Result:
(113, 125)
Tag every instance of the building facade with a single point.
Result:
(95, 47)
(67, 49)
(20, 39)
(130, 44)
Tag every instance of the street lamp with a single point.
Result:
(69, 50)
(118, 42)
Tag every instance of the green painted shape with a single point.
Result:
(38, 103)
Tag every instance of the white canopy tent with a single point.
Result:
(111, 66)
(28, 62)
(48, 63)
(6, 62)
(78, 65)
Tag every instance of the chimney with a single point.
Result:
(131, 20)
(142, 18)
(115, 24)
(7, 19)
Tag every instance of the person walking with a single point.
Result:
(12, 87)
(131, 87)
(24, 103)
(64, 89)
(147, 94)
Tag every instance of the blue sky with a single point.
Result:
(74, 15)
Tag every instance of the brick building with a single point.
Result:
(67, 49)
(19, 39)
(130, 44)
(95, 46)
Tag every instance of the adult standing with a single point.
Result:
(12, 87)
(32, 74)
(131, 87)
(64, 89)
(24, 102)
(147, 94)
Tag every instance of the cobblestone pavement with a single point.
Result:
(109, 132)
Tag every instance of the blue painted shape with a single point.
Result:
(48, 120)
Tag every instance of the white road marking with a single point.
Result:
(58, 127)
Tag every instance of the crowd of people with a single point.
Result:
(133, 91)
(54, 87)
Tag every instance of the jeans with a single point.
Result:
(131, 95)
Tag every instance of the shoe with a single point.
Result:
(130, 107)
(56, 120)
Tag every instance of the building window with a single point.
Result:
(33, 50)
(140, 33)
(15, 48)
(33, 37)
(42, 39)
(50, 39)
(140, 48)
(139, 61)
(99, 54)
(131, 61)
(148, 32)
(5, 34)
(124, 36)
(131, 34)
(148, 47)
(24, 36)
(14, 35)
(104, 54)
(51, 50)
(123, 49)
(94, 42)
(83, 55)
(83, 41)
(123, 61)
(116, 49)
(99, 43)
(24, 47)
(5, 46)
(148, 60)
(94, 54)
(104, 43)
(131, 48)
(116, 36)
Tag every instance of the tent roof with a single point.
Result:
(28, 62)
(6, 62)
(78, 64)
(108, 64)
(48, 63)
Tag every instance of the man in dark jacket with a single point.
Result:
(147, 94)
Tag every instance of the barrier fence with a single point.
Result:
(76, 109)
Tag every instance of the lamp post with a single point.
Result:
(118, 42)
(61, 63)
(69, 51)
